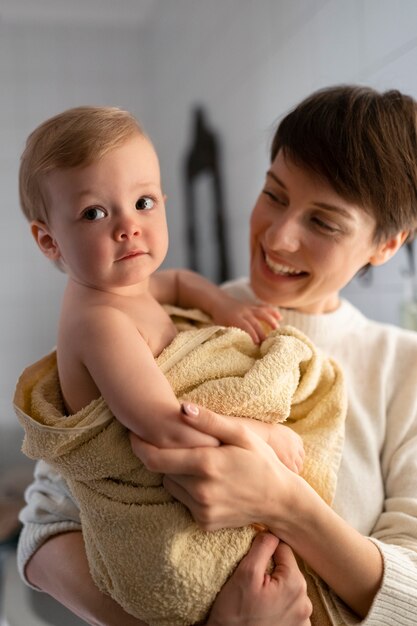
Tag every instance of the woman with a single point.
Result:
(341, 194)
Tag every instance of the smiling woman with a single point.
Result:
(307, 242)
(341, 193)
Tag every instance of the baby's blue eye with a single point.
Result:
(144, 203)
(94, 213)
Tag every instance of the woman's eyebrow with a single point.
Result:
(271, 174)
(335, 208)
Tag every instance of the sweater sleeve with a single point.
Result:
(395, 530)
(396, 602)
(50, 510)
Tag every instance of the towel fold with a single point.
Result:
(143, 547)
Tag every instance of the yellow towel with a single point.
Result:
(143, 547)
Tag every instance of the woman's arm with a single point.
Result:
(51, 553)
(205, 480)
(54, 560)
(60, 568)
(250, 597)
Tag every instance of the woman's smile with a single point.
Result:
(281, 268)
(307, 242)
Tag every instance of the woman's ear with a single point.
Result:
(388, 248)
(45, 240)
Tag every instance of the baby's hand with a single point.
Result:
(288, 446)
(253, 318)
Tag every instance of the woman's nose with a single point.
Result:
(283, 234)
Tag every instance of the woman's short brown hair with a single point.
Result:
(76, 137)
(364, 144)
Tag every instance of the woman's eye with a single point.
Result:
(144, 203)
(94, 213)
(325, 226)
(275, 197)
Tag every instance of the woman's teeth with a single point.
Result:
(283, 270)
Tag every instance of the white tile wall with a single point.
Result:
(250, 63)
(247, 61)
(43, 70)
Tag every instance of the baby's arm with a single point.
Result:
(187, 289)
(125, 372)
(139, 395)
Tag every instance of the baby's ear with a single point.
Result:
(45, 240)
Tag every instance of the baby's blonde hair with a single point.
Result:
(76, 137)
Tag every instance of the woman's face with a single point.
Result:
(307, 242)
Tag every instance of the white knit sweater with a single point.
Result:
(377, 484)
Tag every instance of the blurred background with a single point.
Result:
(208, 80)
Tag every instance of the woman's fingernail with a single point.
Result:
(190, 409)
(260, 528)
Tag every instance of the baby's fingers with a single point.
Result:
(262, 321)
(253, 327)
(267, 314)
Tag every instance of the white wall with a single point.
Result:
(247, 61)
(43, 70)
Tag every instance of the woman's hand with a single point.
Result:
(242, 481)
(232, 485)
(253, 597)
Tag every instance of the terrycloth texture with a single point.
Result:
(377, 482)
(178, 568)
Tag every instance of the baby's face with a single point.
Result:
(107, 219)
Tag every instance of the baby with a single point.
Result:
(90, 187)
